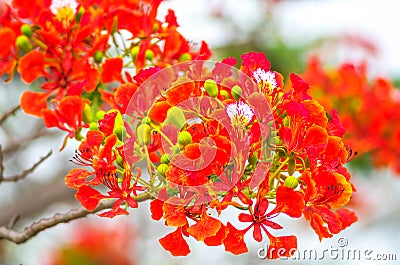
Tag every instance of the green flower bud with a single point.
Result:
(165, 159)
(146, 120)
(24, 43)
(80, 13)
(184, 138)
(185, 57)
(93, 126)
(162, 169)
(120, 131)
(100, 114)
(144, 134)
(291, 182)
(236, 92)
(225, 94)
(134, 52)
(211, 88)
(291, 166)
(87, 114)
(26, 30)
(149, 55)
(253, 159)
(120, 161)
(98, 56)
(176, 117)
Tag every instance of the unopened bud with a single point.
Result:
(211, 88)
(185, 57)
(93, 126)
(87, 114)
(98, 56)
(176, 117)
(184, 138)
(165, 159)
(146, 120)
(225, 94)
(144, 134)
(79, 14)
(26, 30)
(134, 52)
(120, 131)
(291, 166)
(236, 92)
(291, 182)
(24, 43)
(100, 114)
(253, 159)
(149, 55)
(162, 169)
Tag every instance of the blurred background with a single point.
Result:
(289, 32)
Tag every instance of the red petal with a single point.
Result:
(175, 243)
(218, 238)
(174, 213)
(156, 208)
(114, 212)
(289, 201)
(234, 241)
(34, 103)
(31, 66)
(158, 111)
(112, 68)
(88, 197)
(284, 246)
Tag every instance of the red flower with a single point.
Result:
(67, 114)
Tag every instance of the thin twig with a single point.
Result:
(1, 164)
(58, 218)
(24, 173)
(9, 113)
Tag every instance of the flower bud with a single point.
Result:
(149, 55)
(87, 114)
(185, 57)
(291, 166)
(253, 159)
(98, 56)
(236, 92)
(120, 161)
(134, 52)
(100, 114)
(291, 182)
(120, 131)
(26, 30)
(176, 117)
(165, 159)
(211, 88)
(144, 134)
(146, 120)
(24, 43)
(93, 126)
(79, 14)
(162, 169)
(184, 138)
(225, 94)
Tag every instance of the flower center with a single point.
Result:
(64, 10)
(266, 80)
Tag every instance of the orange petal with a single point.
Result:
(207, 226)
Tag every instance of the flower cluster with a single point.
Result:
(198, 138)
(368, 109)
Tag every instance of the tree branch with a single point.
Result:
(36, 227)
(9, 113)
(24, 173)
